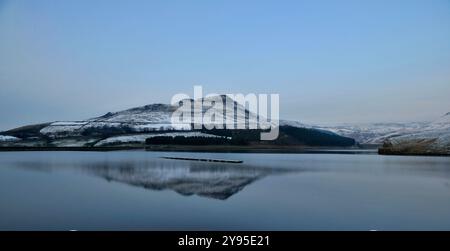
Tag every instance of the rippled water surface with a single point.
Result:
(138, 190)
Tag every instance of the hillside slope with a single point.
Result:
(133, 126)
(434, 139)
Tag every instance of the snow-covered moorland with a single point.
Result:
(140, 138)
(135, 125)
(432, 139)
(4, 138)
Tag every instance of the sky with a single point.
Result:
(330, 61)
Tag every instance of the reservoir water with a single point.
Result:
(138, 190)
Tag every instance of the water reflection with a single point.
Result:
(211, 180)
(218, 181)
(70, 190)
(223, 180)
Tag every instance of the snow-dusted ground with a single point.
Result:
(73, 142)
(294, 124)
(73, 129)
(140, 119)
(62, 129)
(158, 117)
(374, 133)
(140, 138)
(365, 133)
(428, 142)
(149, 118)
(69, 123)
(442, 137)
(442, 123)
(155, 113)
(4, 138)
(377, 133)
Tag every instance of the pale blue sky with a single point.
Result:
(330, 61)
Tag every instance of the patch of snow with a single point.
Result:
(63, 129)
(68, 123)
(441, 123)
(73, 142)
(156, 113)
(4, 138)
(159, 127)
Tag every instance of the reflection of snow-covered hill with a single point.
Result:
(217, 183)
(212, 180)
(205, 179)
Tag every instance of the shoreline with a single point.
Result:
(259, 149)
(228, 149)
(204, 148)
(68, 148)
(390, 152)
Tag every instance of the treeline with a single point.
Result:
(230, 137)
(182, 140)
(288, 136)
(238, 136)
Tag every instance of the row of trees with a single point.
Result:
(288, 136)
(182, 140)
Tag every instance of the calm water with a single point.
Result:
(137, 190)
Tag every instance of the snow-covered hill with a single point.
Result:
(132, 126)
(428, 142)
(377, 133)
(374, 133)
(441, 123)
(433, 139)
(144, 119)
